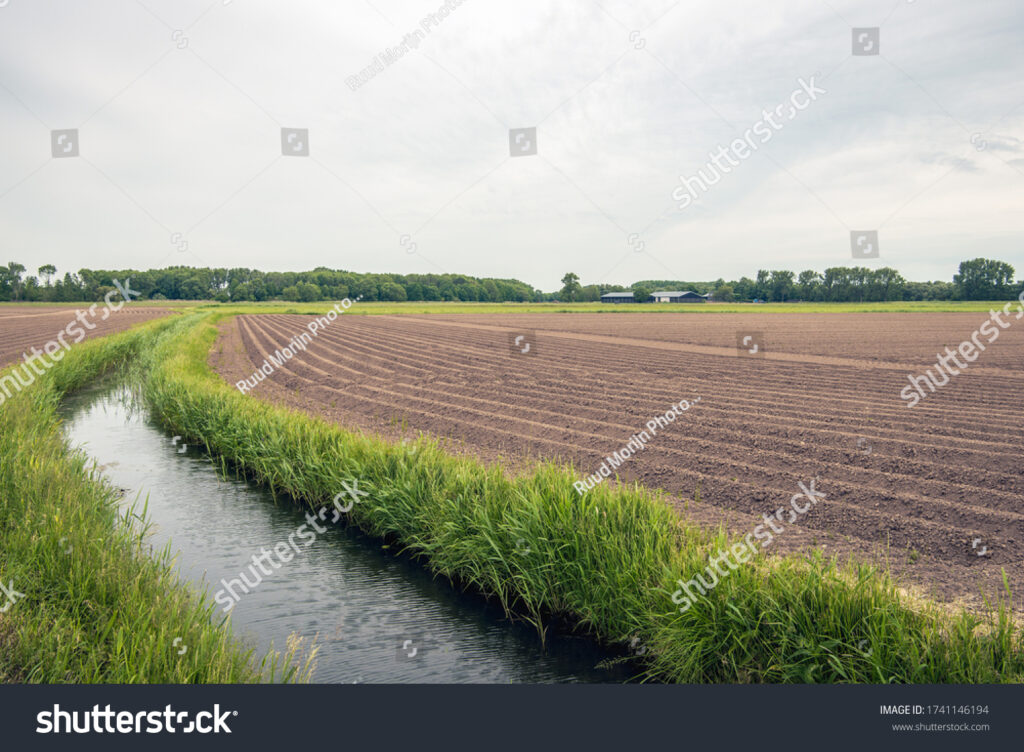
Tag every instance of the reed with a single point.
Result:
(98, 605)
(607, 562)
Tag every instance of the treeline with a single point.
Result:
(977, 279)
(188, 283)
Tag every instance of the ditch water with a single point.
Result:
(378, 617)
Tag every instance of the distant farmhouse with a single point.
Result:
(617, 297)
(678, 296)
(663, 296)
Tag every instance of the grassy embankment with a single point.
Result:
(97, 607)
(608, 561)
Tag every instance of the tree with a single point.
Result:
(762, 287)
(570, 286)
(859, 276)
(809, 284)
(781, 284)
(744, 288)
(242, 291)
(464, 292)
(886, 284)
(984, 279)
(446, 289)
(14, 272)
(46, 271)
(194, 289)
(33, 290)
(835, 283)
(308, 292)
(365, 289)
(724, 293)
(392, 291)
(641, 294)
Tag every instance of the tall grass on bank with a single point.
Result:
(97, 606)
(607, 562)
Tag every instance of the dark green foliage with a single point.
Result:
(188, 283)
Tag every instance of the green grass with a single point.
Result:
(607, 562)
(97, 607)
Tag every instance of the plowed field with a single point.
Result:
(937, 489)
(24, 327)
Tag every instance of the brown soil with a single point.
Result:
(886, 338)
(25, 326)
(928, 488)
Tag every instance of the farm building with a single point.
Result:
(617, 297)
(677, 296)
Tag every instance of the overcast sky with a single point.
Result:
(179, 108)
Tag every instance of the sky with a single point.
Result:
(407, 165)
